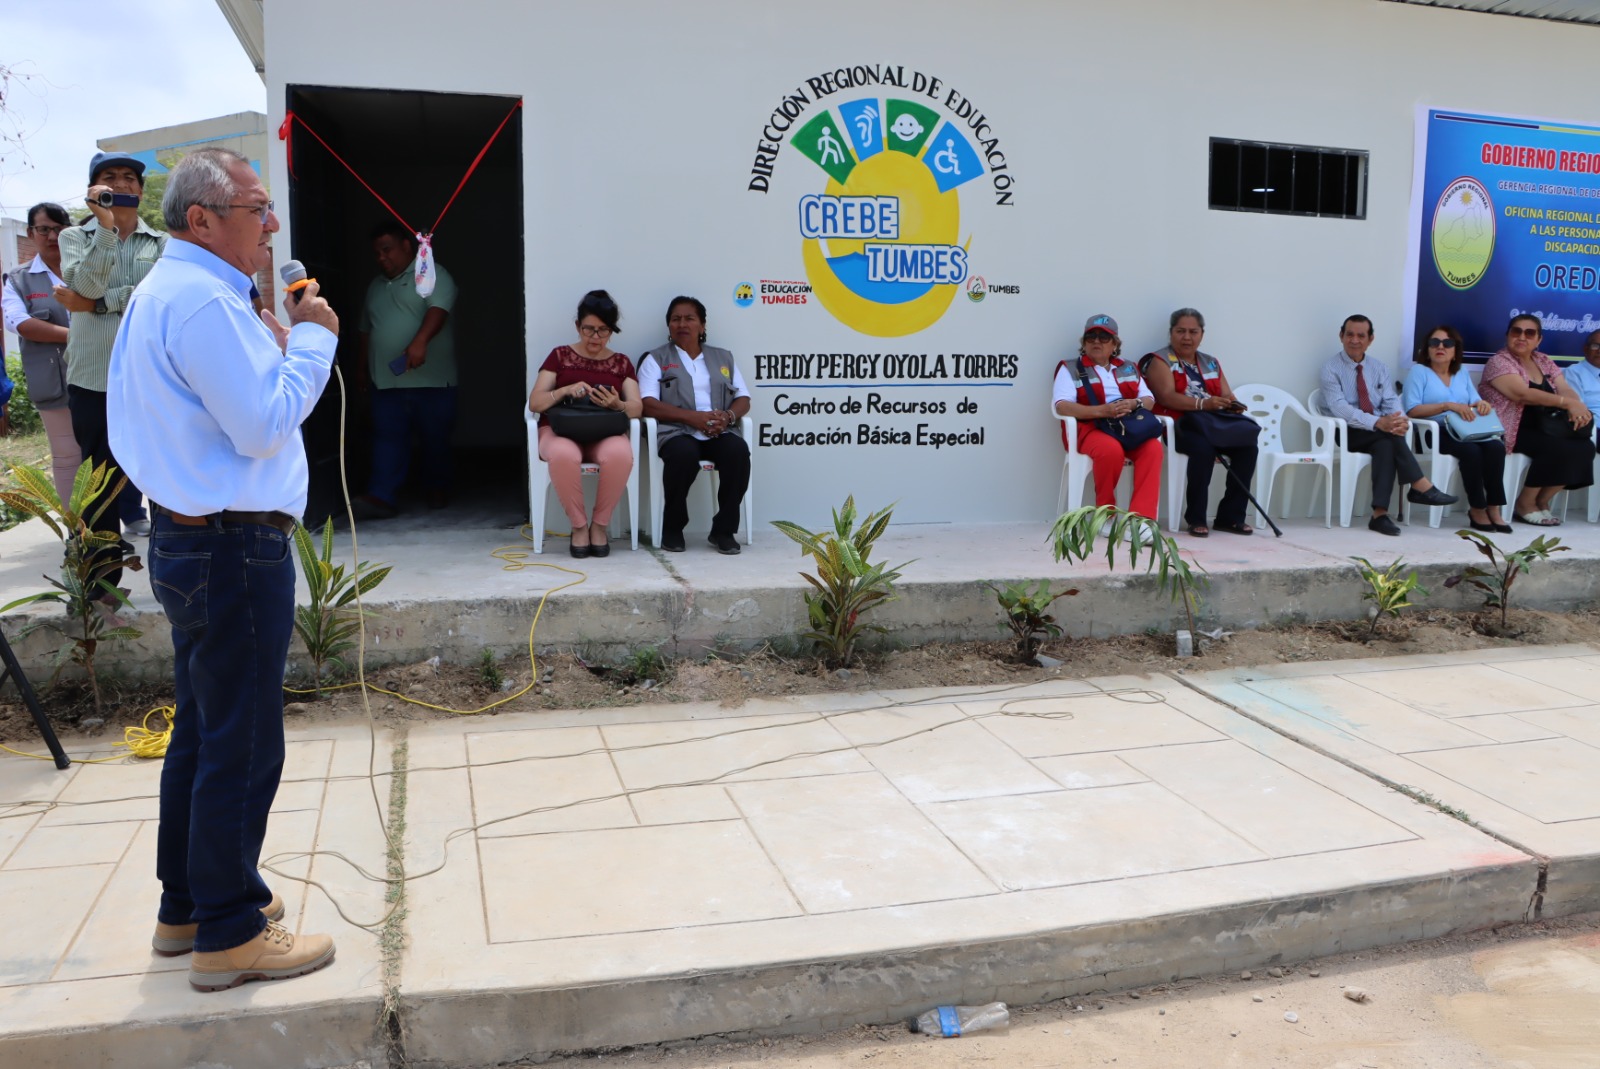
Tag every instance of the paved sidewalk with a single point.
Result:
(1510, 738)
(597, 878)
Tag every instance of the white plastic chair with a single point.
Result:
(1442, 467)
(539, 485)
(1517, 465)
(1594, 488)
(1268, 405)
(1350, 465)
(1076, 468)
(657, 505)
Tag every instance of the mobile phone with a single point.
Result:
(397, 366)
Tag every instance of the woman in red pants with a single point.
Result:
(1099, 386)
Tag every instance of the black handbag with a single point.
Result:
(581, 420)
(1555, 423)
(1224, 430)
(1132, 430)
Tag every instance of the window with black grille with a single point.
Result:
(1257, 176)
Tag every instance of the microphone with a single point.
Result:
(293, 273)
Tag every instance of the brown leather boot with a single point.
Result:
(274, 954)
(173, 939)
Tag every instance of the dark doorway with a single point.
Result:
(413, 148)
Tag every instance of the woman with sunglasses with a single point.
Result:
(1098, 386)
(1519, 381)
(33, 313)
(1439, 387)
(591, 371)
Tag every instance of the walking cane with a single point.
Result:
(1197, 428)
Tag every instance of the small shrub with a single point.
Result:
(83, 588)
(23, 416)
(1026, 614)
(489, 672)
(1388, 592)
(1073, 535)
(329, 625)
(646, 662)
(847, 584)
(1496, 580)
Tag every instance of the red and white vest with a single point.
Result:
(1210, 375)
(1091, 392)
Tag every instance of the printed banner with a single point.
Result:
(1504, 222)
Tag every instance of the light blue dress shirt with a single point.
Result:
(1424, 387)
(1585, 378)
(1339, 395)
(203, 409)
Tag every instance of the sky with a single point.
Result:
(80, 89)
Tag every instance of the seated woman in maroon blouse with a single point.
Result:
(588, 370)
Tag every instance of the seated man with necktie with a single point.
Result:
(1364, 396)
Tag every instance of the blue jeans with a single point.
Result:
(228, 591)
(397, 413)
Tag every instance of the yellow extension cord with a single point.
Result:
(142, 741)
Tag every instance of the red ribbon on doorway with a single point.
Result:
(287, 128)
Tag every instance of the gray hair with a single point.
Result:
(1180, 313)
(202, 177)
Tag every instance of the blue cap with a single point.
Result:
(102, 160)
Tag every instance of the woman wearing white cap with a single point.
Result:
(1111, 404)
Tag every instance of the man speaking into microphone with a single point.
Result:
(204, 402)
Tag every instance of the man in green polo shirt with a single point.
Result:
(408, 360)
(101, 262)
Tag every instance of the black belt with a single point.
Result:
(281, 520)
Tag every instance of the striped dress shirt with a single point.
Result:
(94, 263)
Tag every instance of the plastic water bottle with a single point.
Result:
(951, 1021)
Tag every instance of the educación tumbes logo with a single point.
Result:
(1463, 233)
(881, 242)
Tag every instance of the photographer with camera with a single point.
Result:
(101, 262)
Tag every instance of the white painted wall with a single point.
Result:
(641, 119)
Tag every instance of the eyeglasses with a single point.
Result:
(47, 231)
(595, 332)
(1593, 345)
(1523, 332)
(1097, 336)
(261, 211)
(1441, 343)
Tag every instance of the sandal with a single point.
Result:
(1200, 530)
(1240, 528)
(1542, 518)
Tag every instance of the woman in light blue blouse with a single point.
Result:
(1440, 386)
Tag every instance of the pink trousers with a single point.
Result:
(65, 456)
(615, 457)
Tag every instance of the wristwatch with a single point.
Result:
(100, 308)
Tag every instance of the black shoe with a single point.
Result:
(1476, 526)
(672, 543)
(599, 549)
(724, 543)
(1501, 528)
(579, 551)
(1383, 525)
(1431, 496)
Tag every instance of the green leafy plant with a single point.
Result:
(646, 662)
(1073, 535)
(1387, 590)
(489, 672)
(23, 417)
(82, 589)
(1026, 614)
(328, 626)
(1496, 580)
(847, 584)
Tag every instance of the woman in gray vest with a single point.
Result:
(696, 393)
(34, 315)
